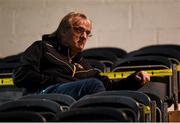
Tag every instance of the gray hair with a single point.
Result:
(65, 24)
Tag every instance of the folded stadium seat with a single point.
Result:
(98, 114)
(45, 107)
(147, 63)
(156, 91)
(172, 46)
(141, 62)
(21, 116)
(9, 94)
(104, 56)
(97, 65)
(64, 100)
(155, 65)
(8, 91)
(140, 97)
(161, 110)
(119, 52)
(132, 64)
(172, 51)
(126, 104)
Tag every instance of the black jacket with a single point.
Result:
(46, 62)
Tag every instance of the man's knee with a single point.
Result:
(95, 81)
(96, 84)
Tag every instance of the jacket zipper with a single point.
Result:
(61, 61)
(84, 71)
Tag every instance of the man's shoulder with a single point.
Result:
(37, 42)
(35, 45)
(40, 43)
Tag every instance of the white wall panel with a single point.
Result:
(128, 24)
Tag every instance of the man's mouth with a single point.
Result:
(81, 43)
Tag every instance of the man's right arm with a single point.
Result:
(28, 75)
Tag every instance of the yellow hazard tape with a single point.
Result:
(111, 75)
(147, 110)
(125, 74)
(6, 81)
(178, 68)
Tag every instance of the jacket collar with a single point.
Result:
(65, 50)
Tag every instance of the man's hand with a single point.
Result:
(143, 77)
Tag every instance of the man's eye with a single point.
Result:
(80, 30)
(88, 33)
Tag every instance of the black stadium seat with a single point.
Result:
(98, 114)
(21, 116)
(45, 107)
(140, 97)
(64, 100)
(119, 102)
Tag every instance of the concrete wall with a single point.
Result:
(128, 24)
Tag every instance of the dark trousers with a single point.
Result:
(76, 89)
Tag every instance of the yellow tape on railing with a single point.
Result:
(6, 81)
(147, 110)
(111, 75)
(125, 74)
(178, 68)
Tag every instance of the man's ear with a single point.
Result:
(63, 35)
(64, 38)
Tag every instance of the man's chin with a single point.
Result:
(79, 49)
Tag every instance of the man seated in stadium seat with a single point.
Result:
(55, 65)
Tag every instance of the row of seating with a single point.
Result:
(119, 106)
(160, 61)
(110, 57)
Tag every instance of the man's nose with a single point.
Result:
(84, 35)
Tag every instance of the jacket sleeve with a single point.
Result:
(129, 83)
(27, 74)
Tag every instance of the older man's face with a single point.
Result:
(79, 33)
